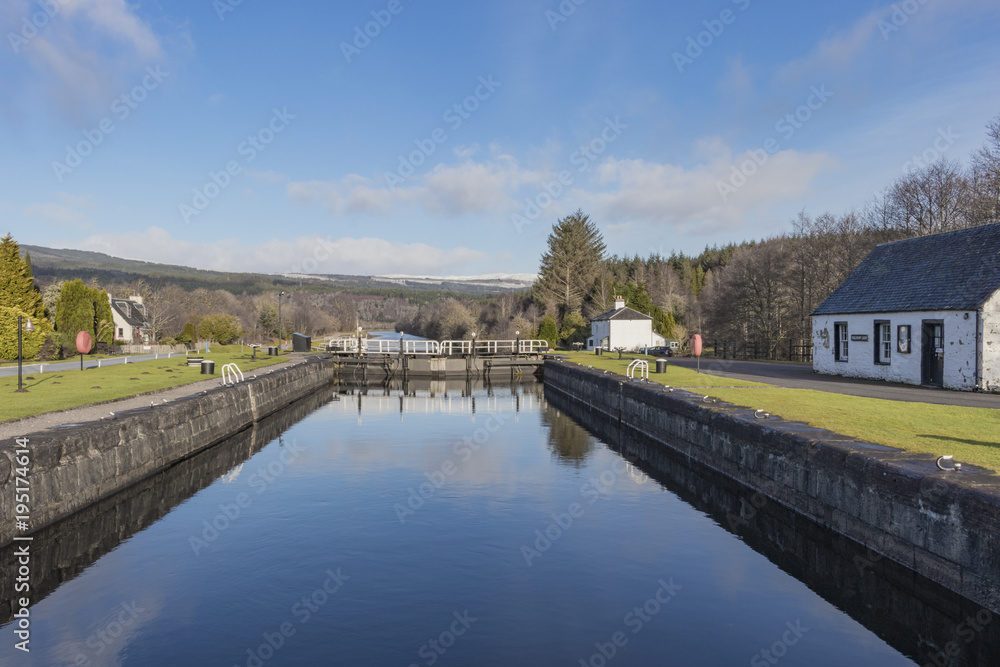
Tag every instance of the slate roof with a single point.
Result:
(957, 270)
(621, 314)
(128, 311)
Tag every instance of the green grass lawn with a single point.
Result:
(675, 375)
(68, 389)
(972, 435)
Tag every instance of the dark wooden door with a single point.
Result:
(932, 353)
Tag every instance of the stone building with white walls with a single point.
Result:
(922, 311)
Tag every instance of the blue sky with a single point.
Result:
(280, 137)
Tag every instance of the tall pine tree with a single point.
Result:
(17, 287)
(569, 267)
(19, 296)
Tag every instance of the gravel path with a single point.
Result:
(16, 428)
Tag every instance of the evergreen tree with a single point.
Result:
(82, 308)
(19, 296)
(575, 329)
(548, 331)
(570, 265)
(17, 287)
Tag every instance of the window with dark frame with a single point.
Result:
(840, 341)
(883, 342)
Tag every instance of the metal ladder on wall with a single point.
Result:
(638, 366)
(230, 373)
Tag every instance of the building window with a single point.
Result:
(840, 341)
(121, 332)
(883, 342)
(903, 338)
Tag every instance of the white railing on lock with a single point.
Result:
(533, 346)
(230, 373)
(391, 346)
(342, 344)
(489, 347)
(640, 366)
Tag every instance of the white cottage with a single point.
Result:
(920, 311)
(623, 327)
(131, 320)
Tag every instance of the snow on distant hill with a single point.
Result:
(500, 280)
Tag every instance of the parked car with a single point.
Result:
(660, 351)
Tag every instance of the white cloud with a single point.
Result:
(664, 194)
(628, 193)
(309, 254)
(70, 212)
(84, 52)
(901, 26)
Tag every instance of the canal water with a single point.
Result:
(436, 525)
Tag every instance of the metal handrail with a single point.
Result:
(229, 374)
(639, 365)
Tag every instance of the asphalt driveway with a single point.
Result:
(801, 376)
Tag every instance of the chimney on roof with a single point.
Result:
(619, 302)
(135, 298)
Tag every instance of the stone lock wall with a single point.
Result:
(76, 466)
(943, 525)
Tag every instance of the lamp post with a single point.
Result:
(517, 343)
(359, 340)
(473, 344)
(29, 327)
(280, 294)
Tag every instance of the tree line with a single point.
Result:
(757, 293)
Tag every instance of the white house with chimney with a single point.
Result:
(623, 327)
(131, 320)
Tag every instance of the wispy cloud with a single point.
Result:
(311, 254)
(82, 53)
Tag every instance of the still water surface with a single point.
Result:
(454, 528)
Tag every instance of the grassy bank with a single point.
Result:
(68, 389)
(972, 435)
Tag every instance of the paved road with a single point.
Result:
(56, 366)
(801, 376)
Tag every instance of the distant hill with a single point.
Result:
(51, 264)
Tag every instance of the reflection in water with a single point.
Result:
(919, 617)
(566, 438)
(65, 549)
(325, 493)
